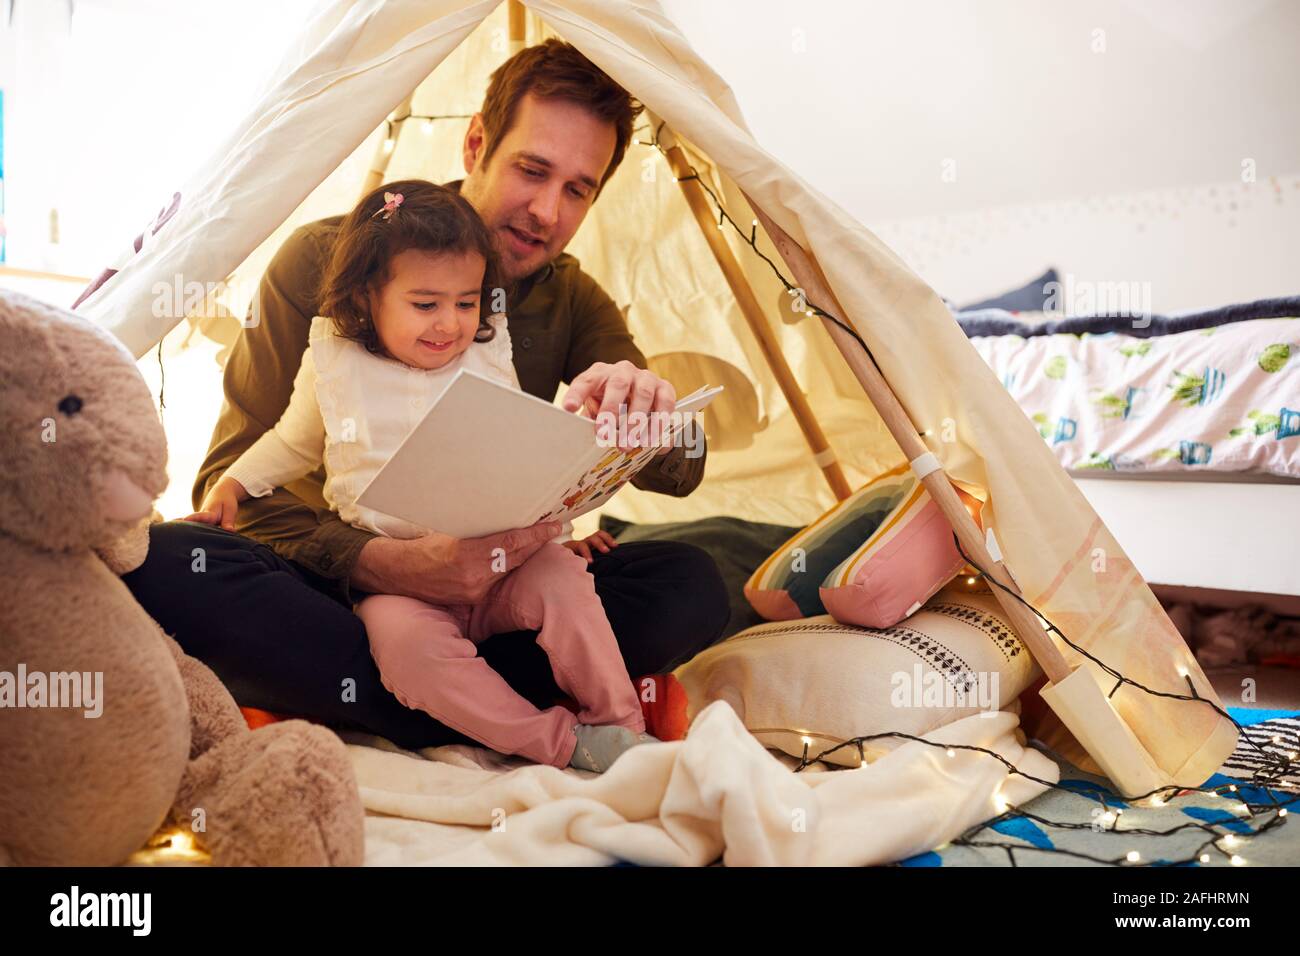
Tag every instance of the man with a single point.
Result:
(271, 612)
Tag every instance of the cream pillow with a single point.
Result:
(831, 682)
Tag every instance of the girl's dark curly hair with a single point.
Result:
(431, 218)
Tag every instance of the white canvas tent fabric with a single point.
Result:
(302, 153)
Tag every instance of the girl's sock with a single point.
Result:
(599, 745)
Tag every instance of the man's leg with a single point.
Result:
(275, 637)
(275, 640)
(665, 601)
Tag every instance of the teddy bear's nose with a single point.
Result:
(70, 404)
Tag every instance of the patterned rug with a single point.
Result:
(1086, 824)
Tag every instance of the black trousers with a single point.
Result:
(281, 638)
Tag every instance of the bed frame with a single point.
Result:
(1231, 538)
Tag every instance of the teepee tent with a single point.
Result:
(383, 89)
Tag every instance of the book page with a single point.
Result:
(487, 458)
(595, 485)
(484, 459)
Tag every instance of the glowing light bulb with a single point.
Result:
(970, 580)
(388, 145)
(951, 752)
(1282, 812)
(1238, 861)
(1205, 858)
(1230, 841)
(1133, 856)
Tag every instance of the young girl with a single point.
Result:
(407, 294)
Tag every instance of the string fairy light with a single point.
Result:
(393, 125)
(1272, 814)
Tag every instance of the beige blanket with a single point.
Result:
(718, 794)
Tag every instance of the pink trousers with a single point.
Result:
(427, 658)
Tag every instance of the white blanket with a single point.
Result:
(716, 794)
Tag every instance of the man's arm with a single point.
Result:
(258, 382)
(600, 334)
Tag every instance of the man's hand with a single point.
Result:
(444, 570)
(603, 388)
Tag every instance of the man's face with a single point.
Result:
(541, 180)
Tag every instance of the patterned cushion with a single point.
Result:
(830, 682)
(872, 559)
(900, 567)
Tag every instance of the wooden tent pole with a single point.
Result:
(518, 31)
(809, 276)
(518, 26)
(823, 454)
(387, 146)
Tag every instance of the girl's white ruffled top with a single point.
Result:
(351, 409)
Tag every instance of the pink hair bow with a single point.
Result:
(391, 202)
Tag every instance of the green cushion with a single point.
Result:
(737, 546)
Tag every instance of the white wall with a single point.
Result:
(107, 111)
(987, 139)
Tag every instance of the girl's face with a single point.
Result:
(428, 311)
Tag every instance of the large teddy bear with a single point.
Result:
(82, 459)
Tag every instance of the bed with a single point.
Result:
(1182, 431)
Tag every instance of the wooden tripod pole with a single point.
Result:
(387, 146)
(823, 454)
(518, 26)
(809, 276)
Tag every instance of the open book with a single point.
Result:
(486, 458)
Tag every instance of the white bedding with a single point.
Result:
(716, 794)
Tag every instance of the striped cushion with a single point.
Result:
(785, 586)
(871, 560)
(906, 561)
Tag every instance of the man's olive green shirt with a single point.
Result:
(561, 323)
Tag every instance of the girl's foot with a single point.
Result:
(599, 745)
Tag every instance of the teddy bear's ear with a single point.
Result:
(85, 454)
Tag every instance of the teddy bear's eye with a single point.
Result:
(70, 405)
